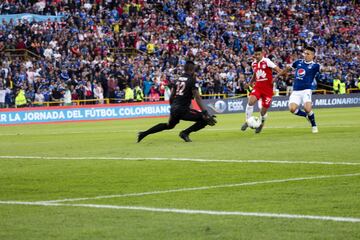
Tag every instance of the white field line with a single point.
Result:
(200, 188)
(189, 211)
(175, 130)
(179, 159)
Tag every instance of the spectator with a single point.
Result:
(20, 100)
(67, 96)
(88, 90)
(167, 93)
(139, 95)
(39, 98)
(2, 96)
(99, 93)
(129, 94)
(119, 95)
(154, 94)
(9, 97)
(147, 83)
(48, 52)
(74, 93)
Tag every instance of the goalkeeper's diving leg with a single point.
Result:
(200, 122)
(158, 128)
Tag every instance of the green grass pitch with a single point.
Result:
(285, 183)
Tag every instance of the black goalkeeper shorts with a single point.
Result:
(186, 114)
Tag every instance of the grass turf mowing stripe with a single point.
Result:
(189, 211)
(201, 188)
(178, 159)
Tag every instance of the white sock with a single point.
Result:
(249, 111)
(263, 118)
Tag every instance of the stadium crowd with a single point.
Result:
(79, 57)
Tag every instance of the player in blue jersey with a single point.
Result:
(305, 72)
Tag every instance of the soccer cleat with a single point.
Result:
(141, 135)
(314, 129)
(185, 137)
(258, 130)
(244, 126)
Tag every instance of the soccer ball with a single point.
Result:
(254, 122)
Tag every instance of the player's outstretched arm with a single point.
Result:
(278, 70)
(251, 83)
(198, 99)
(281, 72)
(285, 71)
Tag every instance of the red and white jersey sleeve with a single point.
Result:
(263, 70)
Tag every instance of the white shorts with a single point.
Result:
(300, 97)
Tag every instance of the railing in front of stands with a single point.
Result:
(73, 102)
(21, 53)
(319, 91)
(352, 90)
(126, 51)
(109, 101)
(161, 98)
(24, 53)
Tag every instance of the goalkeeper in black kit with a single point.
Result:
(183, 91)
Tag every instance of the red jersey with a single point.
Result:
(263, 72)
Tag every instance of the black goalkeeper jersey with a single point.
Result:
(183, 88)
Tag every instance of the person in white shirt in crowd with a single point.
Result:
(4, 69)
(28, 64)
(54, 44)
(30, 75)
(99, 93)
(167, 93)
(48, 53)
(67, 97)
(39, 98)
(2, 96)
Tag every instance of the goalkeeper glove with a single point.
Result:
(209, 119)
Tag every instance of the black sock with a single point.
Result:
(300, 113)
(157, 128)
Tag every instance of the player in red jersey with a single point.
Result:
(263, 88)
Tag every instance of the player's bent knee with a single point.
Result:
(308, 108)
(292, 108)
(252, 100)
